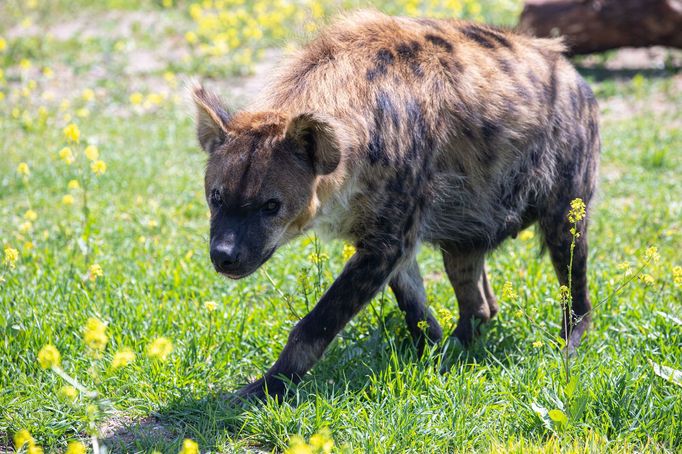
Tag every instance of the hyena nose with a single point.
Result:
(224, 256)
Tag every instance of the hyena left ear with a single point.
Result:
(322, 139)
(212, 119)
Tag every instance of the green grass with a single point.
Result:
(149, 233)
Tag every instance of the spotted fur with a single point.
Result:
(397, 132)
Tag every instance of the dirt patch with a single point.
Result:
(121, 433)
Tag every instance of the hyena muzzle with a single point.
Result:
(389, 132)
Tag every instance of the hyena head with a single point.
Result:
(261, 178)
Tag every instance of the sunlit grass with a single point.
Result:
(103, 257)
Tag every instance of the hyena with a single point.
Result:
(390, 132)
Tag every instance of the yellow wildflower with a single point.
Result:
(68, 392)
(98, 167)
(28, 246)
(92, 153)
(48, 357)
(47, 72)
(22, 438)
(563, 293)
(72, 133)
(22, 169)
(3, 44)
(153, 99)
(25, 64)
(508, 292)
(136, 98)
(25, 227)
(651, 254)
(66, 155)
(647, 279)
(68, 199)
(30, 215)
(88, 94)
(34, 450)
(318, 258)
(11, 256)
(297, 445)
(445, 315)
(191, 37)
(577, 211)
(210, 306)
(170, 78)
(95, 271)
(73, 185)
(677, 275)
(159, 348)
(526, 235)
(83, 112)
(322, 441)
(75, 447)
(95, 334)
(348, 251)
(189, 447)
(537, 344)
(624, 267)
(423, 325)
(122, 358)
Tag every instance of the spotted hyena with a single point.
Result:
(389, 132)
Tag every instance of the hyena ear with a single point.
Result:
(322, 139)
(212, 119)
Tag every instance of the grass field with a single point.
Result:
(126, 244)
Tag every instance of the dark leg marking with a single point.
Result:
(408, 287)
(475, 298)
(364, 275)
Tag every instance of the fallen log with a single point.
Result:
(598, 25)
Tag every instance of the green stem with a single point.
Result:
(73, 382)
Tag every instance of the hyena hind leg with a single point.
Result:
(556, 229)
(408, 287)
(477, 303)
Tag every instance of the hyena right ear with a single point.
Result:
(322, 139)
(212, 119)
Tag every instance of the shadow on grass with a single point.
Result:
(345, 370)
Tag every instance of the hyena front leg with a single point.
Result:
(408, 286)
(475, 298)
(363, 277)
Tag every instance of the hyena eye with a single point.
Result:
(215, 199)
(271, 207)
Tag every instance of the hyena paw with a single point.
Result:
(577, 333)
(260, 389)
(468, 327)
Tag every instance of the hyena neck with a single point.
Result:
(334, 217)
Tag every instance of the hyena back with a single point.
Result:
(389, 132)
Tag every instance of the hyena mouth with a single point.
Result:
(250, 272)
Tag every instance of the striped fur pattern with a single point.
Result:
(389, 132)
